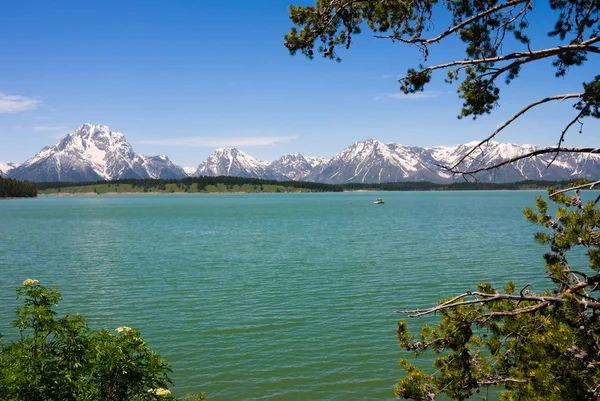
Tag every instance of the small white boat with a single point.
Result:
(379, 201)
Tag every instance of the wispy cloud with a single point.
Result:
(417, 95)
(386, 76)
(17, 103)
(46, 128)
(207, 141)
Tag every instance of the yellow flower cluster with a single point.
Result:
(31, 282)
(123, 329)
(160, 391)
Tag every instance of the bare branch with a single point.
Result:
(564, 131)
(513, 118)
(484, 298)
(515, 312)
(584, 46)
(525, 156)
(589, 185)
(501, 380)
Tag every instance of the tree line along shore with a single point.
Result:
(11, 188)
(224, 184)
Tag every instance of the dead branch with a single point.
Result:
(501, 380)
(525, 156)
(483, 298)
(513, 118)
(585, 46)
(564, 131)
(589, 185)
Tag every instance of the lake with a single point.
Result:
(267, 296)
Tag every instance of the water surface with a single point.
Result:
(266, 296)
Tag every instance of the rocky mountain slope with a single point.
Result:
(234, 162)
(295, 166)
(94, 152)
(5, 167)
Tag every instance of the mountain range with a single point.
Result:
(94, 152)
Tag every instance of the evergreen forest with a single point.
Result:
(11, 188)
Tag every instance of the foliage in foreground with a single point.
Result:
(535, 346)
(60, 358)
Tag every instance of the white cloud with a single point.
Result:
(207, 141)
(417, 95)
(46, 128)
(17, 103)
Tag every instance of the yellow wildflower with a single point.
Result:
(123, 329)
(160, 391)
(549, 334)
(532, 373)
(30, 282)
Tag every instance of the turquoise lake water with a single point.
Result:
(267, 296)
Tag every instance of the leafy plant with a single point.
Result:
(60, 358)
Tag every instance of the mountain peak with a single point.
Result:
(234, 162)
(94, 152)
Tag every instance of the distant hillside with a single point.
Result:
(203, 184)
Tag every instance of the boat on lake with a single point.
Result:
(379, 201)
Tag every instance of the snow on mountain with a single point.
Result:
(372, 161)
(5, 167)
(566, 165)
(234, 162)
(94, 152)
(316, 162)
(292, 165)
(190, 171)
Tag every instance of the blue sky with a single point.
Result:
(184, 77)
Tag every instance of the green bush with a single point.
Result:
(60, 358)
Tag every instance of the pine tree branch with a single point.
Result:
(585, 46)
(455, 28)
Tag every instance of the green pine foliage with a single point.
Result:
(487, 32)
(531, 345)
(60, 358)
(11, 188)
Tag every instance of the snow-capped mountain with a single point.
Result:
(94, 152)
(566, 166)
(5, 167)
(373, 161)
(294, 165)
(234, 162)
(316, 162)
(190, 171)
